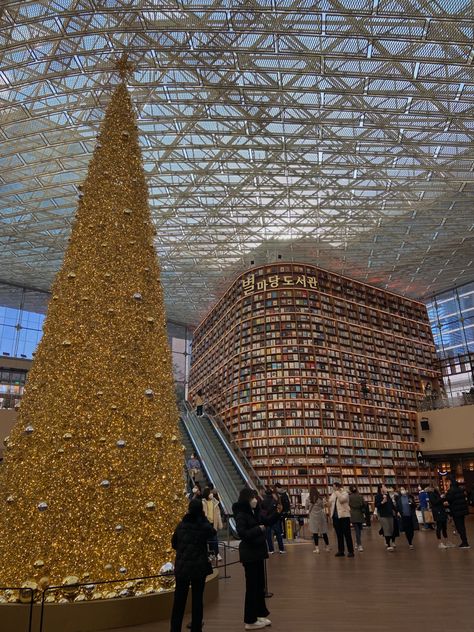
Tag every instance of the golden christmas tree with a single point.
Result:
(92, 481)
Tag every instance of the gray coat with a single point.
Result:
(317, 517)
(356, 503)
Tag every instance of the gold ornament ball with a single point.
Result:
(158, 436)
(150, 506)
(70, 587)
(108, 567)
(80, 597)
(97, 595)
(66, 343)
(28, 589)
(38, 564)
(11, 499)
(43, 583)
(67, 436)
(111, 595)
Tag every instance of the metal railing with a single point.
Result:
(31, 601)
(431, 402)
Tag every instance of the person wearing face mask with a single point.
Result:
(212, 512)
(385, 512)
(251, 527)
(406, 513)
(195, 492)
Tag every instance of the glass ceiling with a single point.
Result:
(338, 132)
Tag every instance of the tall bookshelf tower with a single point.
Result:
(317, 376)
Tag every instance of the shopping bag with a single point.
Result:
(419, 516)
(428, 516)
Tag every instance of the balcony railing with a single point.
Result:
(432, 402)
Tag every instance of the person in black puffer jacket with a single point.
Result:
(251, 527)
(457, 503)
(192, 564)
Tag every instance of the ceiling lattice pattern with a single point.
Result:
(338, 132)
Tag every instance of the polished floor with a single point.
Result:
(422, 590)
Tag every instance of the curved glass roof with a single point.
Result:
(338, 132)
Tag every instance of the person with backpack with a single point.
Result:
(192, 565)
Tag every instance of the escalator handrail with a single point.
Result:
(228, 492)
(248, 472)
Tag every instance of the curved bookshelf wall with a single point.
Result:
(317, 376)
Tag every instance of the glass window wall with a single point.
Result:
(22, 313)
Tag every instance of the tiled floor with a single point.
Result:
(423, 590)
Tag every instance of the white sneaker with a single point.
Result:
(441, 545)
(264, 620)
(270, 553)
(255, 626)
(316, 550)
(390, 548)
(360, 548)
(328, 548)
(281, 552)
(410, 546)
(450, 545)
(219, 557)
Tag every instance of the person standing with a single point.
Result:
(423, 503)
(269, 509)
(284, 500)
(406, 510)
(251, 528)
(385, 512)
(192, 565)
(457, 503)
(212, 512)
(340, 512)
(199, 403)
(440, 515)
(318, 524)
(194, 467)
(357, 505)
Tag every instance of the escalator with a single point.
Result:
(220, 459)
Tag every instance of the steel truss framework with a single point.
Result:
(337, 132)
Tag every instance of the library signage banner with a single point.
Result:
(275, 281)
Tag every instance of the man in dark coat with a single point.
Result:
(251, 527)
(192, 564)
(457, 503)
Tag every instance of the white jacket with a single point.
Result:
(341, 497)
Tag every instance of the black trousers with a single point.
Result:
(254, 591)
(316, 538)
(199, 411)
(408, 528)
(442, 528)
(460, 528)
(179, 603)
(342, 526)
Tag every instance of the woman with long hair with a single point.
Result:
(192, 565)
(252, 527)
(318, 523)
